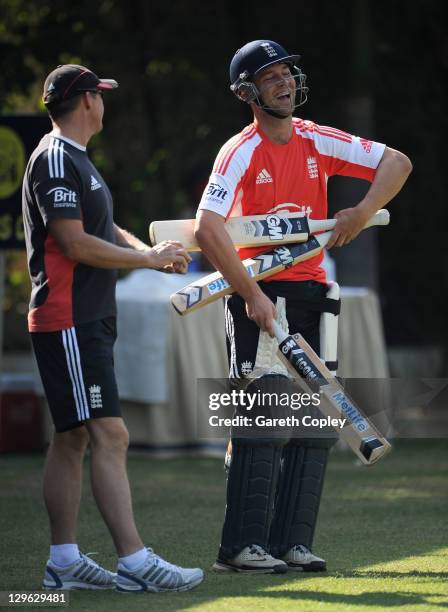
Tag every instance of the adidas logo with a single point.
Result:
(264, 177)
(94, 184)
(51, 87)
(366, 144)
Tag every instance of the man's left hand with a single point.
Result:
(350, 222)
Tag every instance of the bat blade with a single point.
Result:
(251, 231)
(179, 229)
(359, 432)
(214, 286)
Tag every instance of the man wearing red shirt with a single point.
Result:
(280, 163)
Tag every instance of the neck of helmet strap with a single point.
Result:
(270, 111)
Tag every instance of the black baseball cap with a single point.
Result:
(69, 80)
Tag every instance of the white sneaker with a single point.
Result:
(156, 575)
(300, 558)
(252, 560)
(84, 573)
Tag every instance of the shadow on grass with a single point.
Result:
(378, 599)
(386, 574)
(392, 512)
(251, 592)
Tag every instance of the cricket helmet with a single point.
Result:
(254, 57)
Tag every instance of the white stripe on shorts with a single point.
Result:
(74, 367)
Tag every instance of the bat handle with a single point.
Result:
(279, 332)
(382, 217)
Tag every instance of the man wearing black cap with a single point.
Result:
(74, 250)
(280, 163)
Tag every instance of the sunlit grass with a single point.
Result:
(383, 531)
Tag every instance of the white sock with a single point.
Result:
(132, 562)
(64, 554)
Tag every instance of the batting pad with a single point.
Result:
(299, 492)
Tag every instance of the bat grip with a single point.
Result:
(279, 332)
(382, 217)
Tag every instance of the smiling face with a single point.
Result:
(277, 87)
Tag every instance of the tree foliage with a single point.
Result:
(173, 110)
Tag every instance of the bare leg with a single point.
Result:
(109, 441)
(63, 482)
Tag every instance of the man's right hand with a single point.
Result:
(169, 256)
(261, 311)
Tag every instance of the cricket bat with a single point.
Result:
(214, 286)
(250, 231)
(361, 435)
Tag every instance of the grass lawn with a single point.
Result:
(383, 531)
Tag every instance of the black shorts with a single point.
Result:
(303, 310)
(77, 370)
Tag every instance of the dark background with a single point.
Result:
(375, 68)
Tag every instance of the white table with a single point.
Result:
(160, 355)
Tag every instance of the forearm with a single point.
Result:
(219, 249)
(99, 253)
(80, 247)
(127, 240)
(390, 177)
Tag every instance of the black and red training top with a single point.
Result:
(62, 183)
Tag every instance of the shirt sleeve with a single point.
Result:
(219, 194)
(347, 155)
(57, 187)
(224, 188)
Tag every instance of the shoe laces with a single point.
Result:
(301, 549)
(162, 562)
(255, 549)
(87, 558)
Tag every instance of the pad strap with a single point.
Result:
(328, 328)
(324, 304)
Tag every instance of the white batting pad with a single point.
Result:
(328, 328)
